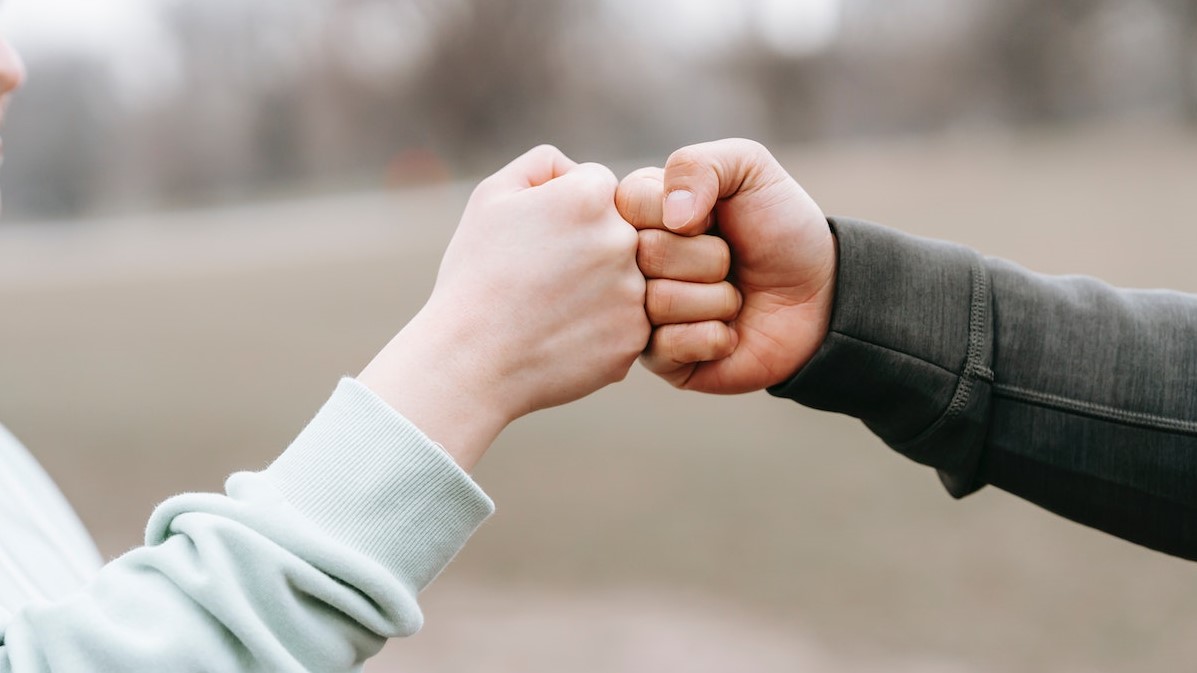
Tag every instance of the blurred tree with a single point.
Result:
(790, 89)
(358, 87)
(288, 92)
(231, 129)
(1187, 13)
(497, 74)
(1038, 58)
(60, 139)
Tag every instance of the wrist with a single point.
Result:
(825, 299)
(434, 374)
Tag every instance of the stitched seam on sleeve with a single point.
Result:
(974, 354)
(1092, 410)
(973, 367)
(974, 370)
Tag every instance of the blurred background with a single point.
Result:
(215, 208)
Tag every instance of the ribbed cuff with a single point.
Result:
(375, 482)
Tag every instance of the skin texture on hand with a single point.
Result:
(538, 302)
(783, 262)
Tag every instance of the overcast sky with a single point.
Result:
(82, 24)
(108, 24)
(144, 62)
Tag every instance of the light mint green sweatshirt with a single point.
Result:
(309, 565)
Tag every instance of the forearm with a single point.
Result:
(312, 563)
(1064, 391)
(1093, 412)
(308, 565)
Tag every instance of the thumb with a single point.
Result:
(697, 176)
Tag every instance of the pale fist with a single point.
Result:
(540, 280)
(766, 322)
(538, 302)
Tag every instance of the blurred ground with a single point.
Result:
(641, 529)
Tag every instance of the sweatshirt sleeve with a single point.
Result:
(309, 565)
(1075, 395)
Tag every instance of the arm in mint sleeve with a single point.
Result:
(1072, 394)
(312, 563)
(309, 565)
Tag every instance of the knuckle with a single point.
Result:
(645, 332)
(731, 299)
(600, 177)
(662, 348)
(664, 345)
(747, 146)
(627, 200)
(636, 199)
(677, 347)
(546, 150)
(715, 338)
(648, 173)
(651, 252)
(757, 156)
(658, 300)
(637, 340)
(615, 240)
(637, 287)
(721, 255)
(608, 175)
(685, 157)
(728, 341)
(597, 189)
(627, 240)
(701, 335)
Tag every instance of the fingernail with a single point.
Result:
(678, 210)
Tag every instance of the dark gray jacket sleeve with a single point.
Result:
(1065, 391)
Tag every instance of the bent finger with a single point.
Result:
(673, 347)
(698, 259)
(673, 301)
(639, 197)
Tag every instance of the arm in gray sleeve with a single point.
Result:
(1065, 391)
